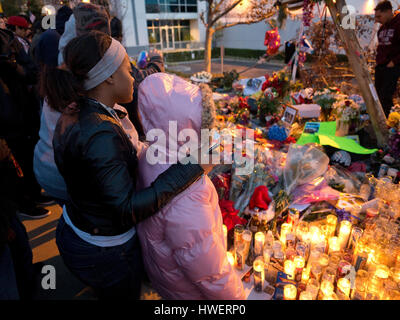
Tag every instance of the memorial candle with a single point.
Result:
(231, 258)
(343, 285)
(285, 229)
(334, 245)
(258, 274)
(305, 275)
(305, 295)
(289, 268)
(259, 239)
(326, 288)
(315, 236)
(331, 220)
(289, 292)
(344, 233)
(225, 230)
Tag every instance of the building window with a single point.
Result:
(168, 6)
(169, 34)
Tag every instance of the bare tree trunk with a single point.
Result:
(208, 48)
(361, 72)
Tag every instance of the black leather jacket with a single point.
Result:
(99, 163)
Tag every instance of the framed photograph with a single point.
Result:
(311, 127)
(289, 115)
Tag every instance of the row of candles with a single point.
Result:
(319, 258)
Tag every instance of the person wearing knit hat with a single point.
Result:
(86, 17)
(90, 16)
(19, 26)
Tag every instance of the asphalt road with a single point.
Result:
(229, 64)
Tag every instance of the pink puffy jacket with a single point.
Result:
(183, 245)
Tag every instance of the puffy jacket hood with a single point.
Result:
(165, 99)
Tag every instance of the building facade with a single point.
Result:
(168, 25)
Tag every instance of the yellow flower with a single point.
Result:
(220, 118)
(393, 120)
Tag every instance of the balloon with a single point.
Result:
(272, 41)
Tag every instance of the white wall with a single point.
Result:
(140, 6)
(252, 36)
(201, 6)
(129, 39)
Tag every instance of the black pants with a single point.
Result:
(28, 189)
(386, 85)
(23, 261)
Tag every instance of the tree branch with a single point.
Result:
(232, 24)
(228, 25)
(229, 9)
(202, 18)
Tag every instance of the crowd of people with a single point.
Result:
(74, 113)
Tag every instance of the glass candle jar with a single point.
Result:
(313, 288)
(259, 239)
(246, 239)
(316, 271)
(344, 233)
(289, 269)
(231, 258)
(324, 261)
(258, 275)
(289, 292)
(240, 255)
(237, 234)
(285, 229)
(327, 289)
(306, 295)
(329, 275)
(333, 245)
(344, 286)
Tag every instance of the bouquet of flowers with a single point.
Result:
(325, 99)
(360, 101)
(393, 123)
(278, 81)
(346, 110)
(203, 76)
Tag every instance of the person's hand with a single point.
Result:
(390, 64)
(155, 53)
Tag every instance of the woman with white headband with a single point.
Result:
(96, 235)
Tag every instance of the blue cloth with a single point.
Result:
(8, 282)
(46, 50)
(113, 272)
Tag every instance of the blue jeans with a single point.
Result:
(8, 282)
(113, 272)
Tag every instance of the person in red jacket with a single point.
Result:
(387, 70)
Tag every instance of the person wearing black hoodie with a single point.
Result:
(387, 70)
(19, 117)
(17, 272)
